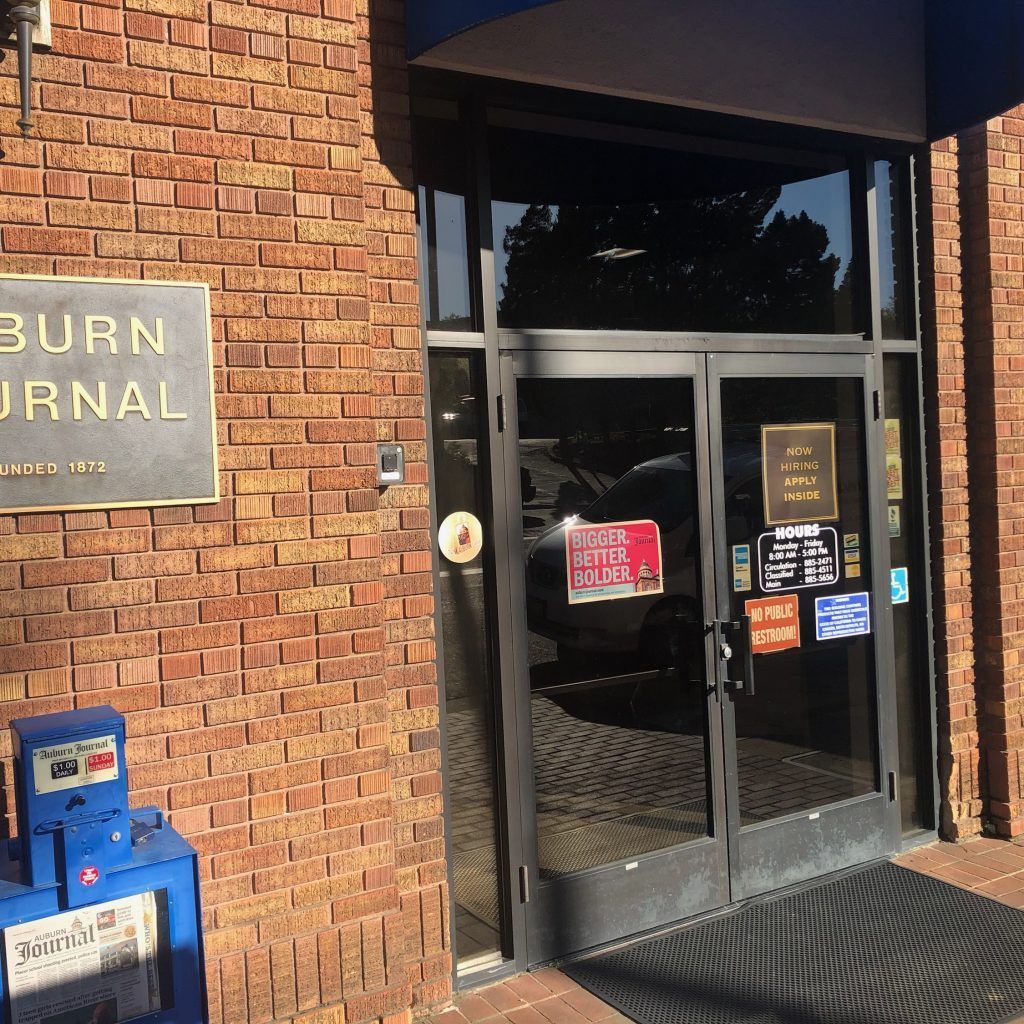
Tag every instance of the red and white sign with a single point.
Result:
(608, 561)
(774, 623)
(89, 875)
(97, 762)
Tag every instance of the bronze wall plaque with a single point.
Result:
(798, 470)
(106, 394)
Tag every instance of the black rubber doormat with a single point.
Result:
(884, 945)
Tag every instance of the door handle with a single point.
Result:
(737, 636)
(748, 655)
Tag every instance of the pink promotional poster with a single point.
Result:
(608, 561)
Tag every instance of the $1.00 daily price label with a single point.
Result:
(75, 763)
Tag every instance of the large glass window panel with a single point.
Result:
(892, 192)
(460, 487)
(807, 737)
(909, 613)
(599, 235)
(441, 174)
(617, 683)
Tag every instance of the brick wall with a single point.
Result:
(939, 241)
(993, 207)
(273, 654)
(973, 302)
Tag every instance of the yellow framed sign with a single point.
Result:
(106, 394)
(798, 473)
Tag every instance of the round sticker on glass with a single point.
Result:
(461, 537)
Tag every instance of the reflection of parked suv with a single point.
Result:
(662, 490)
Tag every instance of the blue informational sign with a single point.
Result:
(741, 567)
(841, 615)
(899, 585)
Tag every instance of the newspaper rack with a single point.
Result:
(99, 904)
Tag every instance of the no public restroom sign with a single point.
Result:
(774, 623)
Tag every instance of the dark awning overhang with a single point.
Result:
(912, 70)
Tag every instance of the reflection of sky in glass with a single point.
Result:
(886, 253)
(452, 262)
(452, 255)
(825, 199)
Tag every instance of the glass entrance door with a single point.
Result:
(800, 602)
(695, 641)
(623, 749)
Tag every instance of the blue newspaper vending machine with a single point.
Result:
(99, 905)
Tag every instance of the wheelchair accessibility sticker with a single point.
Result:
(899, 586)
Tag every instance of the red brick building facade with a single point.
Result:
(972, 275)
(946, 455)
(274, 654)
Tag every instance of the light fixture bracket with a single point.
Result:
(27, 24)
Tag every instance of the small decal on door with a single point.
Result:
(460, 537)
(895, 526)
(892, 437)
(899, 585)
(894, 477)
(741, 581)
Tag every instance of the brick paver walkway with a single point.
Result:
(546, 997)
(992, 867)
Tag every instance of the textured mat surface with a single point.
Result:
(880, 946)
(477, 882)
(632, 835)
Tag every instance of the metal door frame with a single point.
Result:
(694, 877)
(862, 828)
(703, 361)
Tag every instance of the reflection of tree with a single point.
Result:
(893, 319)
(712, 263)
(452, 322)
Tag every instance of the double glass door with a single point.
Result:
(694, 621)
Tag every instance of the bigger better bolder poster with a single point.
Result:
(608, 561)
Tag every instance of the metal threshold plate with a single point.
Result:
(883, 945)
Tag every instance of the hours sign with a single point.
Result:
(106, 394)
(798, 468)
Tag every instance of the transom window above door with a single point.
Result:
(535, 222)
(597, 235)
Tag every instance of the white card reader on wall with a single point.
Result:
(390, 464)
